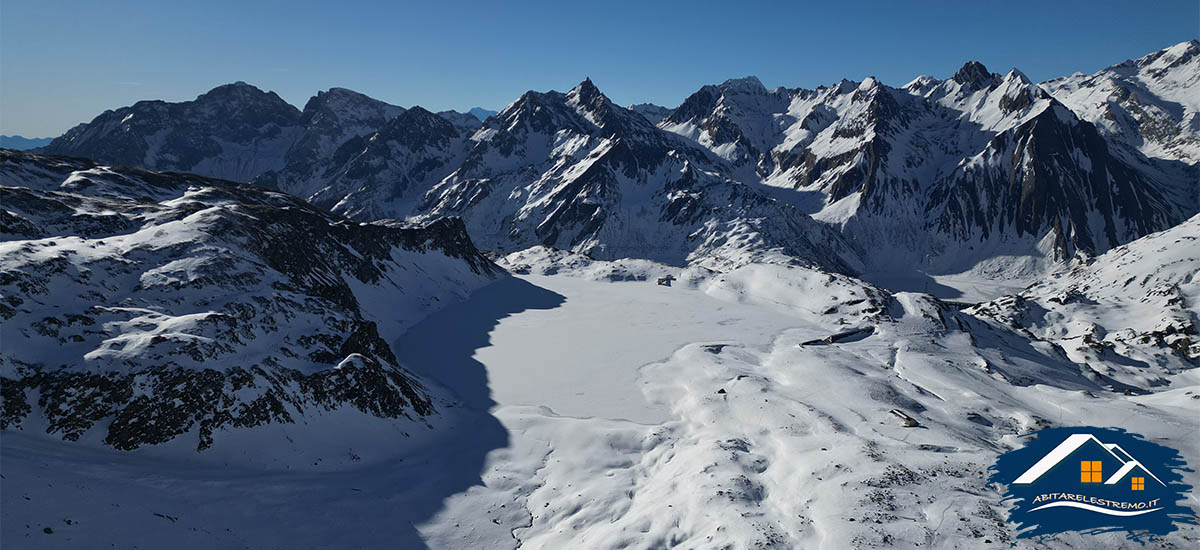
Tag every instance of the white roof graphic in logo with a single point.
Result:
(1073, 443)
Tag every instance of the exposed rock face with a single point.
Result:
(233, 132)
(974, 76)
(1018, 185)
(153, 306)
(382, 174)
(330, 119)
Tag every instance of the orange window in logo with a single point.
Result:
(1139, 484)
(1089, 471)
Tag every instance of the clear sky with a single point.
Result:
(62, 63)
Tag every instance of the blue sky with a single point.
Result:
(62, 63)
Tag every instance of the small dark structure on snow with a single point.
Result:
(909, 422)
(665, 280)
(848, 336)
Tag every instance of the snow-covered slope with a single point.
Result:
(868, 421)
(142, 308)
(1137, 304)
(1151, 103)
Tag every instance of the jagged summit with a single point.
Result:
(844, 85)
(586, 92)
(974, 75)
(869, 83)
(921, 84)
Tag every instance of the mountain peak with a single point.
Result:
(845, 86)
(1175, 55)
(417, 112)
(234, 87)
(342, 95)
(746, 84)
(1185, 47)
(418, 127)
(588, 97)
(586, 91)
(238, 91)
(335, 91)
(920, 83)
(973, 75)
(1016, 74)
(481, 113)
(347, 106)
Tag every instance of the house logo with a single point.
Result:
(1093, 480)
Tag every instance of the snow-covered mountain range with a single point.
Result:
(233, 132)
(982, 172)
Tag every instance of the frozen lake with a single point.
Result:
(581, 357)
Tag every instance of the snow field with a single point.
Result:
(749, 409)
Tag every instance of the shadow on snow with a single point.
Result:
(440, 349)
